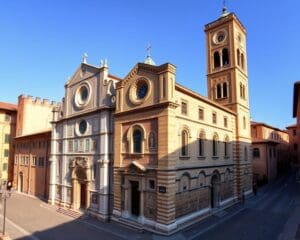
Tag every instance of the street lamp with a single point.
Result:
(5, 193)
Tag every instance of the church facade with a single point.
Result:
(180, 156)
(82, 143)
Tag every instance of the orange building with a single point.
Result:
(32, 146)
(270, 150)
(31, 172)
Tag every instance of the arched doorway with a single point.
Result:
(135, 198)
(80, 183)
(215, 189)
(20, 182)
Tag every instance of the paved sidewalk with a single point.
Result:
(33, 219)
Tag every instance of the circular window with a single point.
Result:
(139, 91)
(82, 95)
(82, 126)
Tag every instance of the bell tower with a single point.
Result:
(227, 84)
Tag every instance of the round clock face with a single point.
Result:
(142, 90)
(219, 37)
(82, 126)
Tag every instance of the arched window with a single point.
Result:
(184, 143)
(215, 146)
(256, 153)
(201, 179)
(224, 90)
(201, 144)
(137, 141)
(225, 56)
(226, 147)
(219, 91)
(238, 57)
(242, 61)
(184, 183)
(217, 62)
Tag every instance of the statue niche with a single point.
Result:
(79, 169)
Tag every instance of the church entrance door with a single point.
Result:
(83, 195)
(135, 198)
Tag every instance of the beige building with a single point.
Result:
(270, 147)
(180, 156)
(32, 146)
(8, 113)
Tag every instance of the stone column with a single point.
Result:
(87, 195)
(74, 193)
(104, 187)
(141, 216)
(52, 181)
(52, 162)
(127, 199)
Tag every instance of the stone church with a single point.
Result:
(82, 142)
(148, 152)
(180, 156)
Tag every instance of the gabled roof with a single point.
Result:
(8, 106)
(92, 69)
(146, 67)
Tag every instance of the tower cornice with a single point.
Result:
(220, 21)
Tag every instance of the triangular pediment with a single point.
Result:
(82, 72)
(155, 70)
(135, 167)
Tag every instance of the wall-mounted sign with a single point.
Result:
(162, 189)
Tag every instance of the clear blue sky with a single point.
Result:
(42, 43)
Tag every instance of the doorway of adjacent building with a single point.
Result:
(135, 198)
(215, 189)
(83, 195)
(20, 182)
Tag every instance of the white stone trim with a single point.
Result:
(226, 201)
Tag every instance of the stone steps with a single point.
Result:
(69, 212)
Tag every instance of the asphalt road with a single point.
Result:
(273, 214)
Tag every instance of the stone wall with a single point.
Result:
(191, 201)
(150, 205)
(226, 190)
